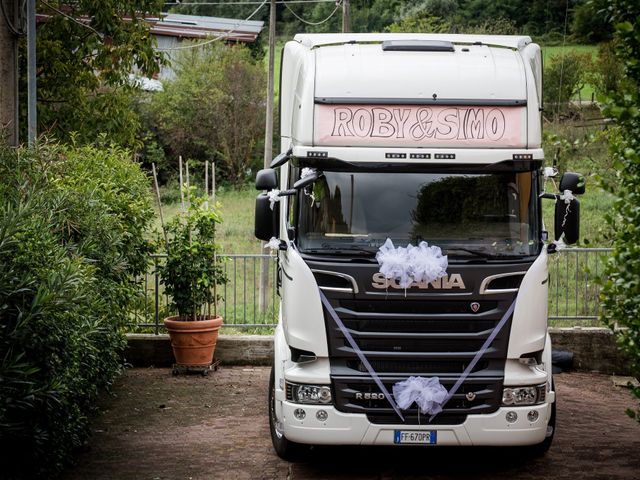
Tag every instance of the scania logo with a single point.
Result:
(369, 396)
(475, 306)
(447, 282)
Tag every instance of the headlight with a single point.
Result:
(532, 395)
(310, 394)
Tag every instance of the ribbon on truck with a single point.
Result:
(409, 264)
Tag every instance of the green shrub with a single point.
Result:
(71, 240)
(564, 75)
(192, 271)
(608, 70)
(621, 289)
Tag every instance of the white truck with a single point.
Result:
(411, 137)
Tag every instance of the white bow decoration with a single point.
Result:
(394, 263)
(428, 393)
(273, 243)
(567, 196)
(427, 263)
(306, 171)
(411, 264)
(274, 196)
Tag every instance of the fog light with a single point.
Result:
(511, 417)
(532, 416)
(299, 413)
(322, 415)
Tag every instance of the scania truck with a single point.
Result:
(413, 138)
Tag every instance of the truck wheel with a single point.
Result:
(285, 449)
(542, 447)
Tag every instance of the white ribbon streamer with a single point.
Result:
(428, 393)
(274, 196)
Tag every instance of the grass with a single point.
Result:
(548, 54)
(552, 51)
(235, 233)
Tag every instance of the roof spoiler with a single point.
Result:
(417, 46)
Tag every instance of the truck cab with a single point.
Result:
(413, 138)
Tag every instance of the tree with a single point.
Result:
(86, 50)
(590, 22)
(621, 289)
(214, 109)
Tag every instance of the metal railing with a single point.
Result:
(573, 292)
(244, 304)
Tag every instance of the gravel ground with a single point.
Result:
(157, 426)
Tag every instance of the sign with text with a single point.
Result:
(420, 126)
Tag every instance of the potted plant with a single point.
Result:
(191, 276)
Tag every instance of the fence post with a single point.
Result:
(157, 294)
(263, 300)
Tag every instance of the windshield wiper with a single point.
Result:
(342, 250)
(477, 253)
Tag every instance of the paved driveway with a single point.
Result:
(156, 426)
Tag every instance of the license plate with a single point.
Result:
(423, 437)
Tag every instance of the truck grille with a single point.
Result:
(417, 337)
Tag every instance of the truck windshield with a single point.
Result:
(491, 215)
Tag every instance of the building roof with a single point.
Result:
(196, 26)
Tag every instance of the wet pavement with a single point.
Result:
(158, 426)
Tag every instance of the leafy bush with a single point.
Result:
(213, 110)
(564, 75)
(608, 70)
(621, 289)
(192, 270)
(71, 239)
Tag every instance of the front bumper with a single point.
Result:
(354, 429)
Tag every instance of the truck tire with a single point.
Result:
(542, 447)
(285, 449)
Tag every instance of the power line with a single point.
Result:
(338, 4)
(75, 20)
(220, 37)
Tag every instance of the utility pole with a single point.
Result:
(9, 72)
(263, 300)
(268, 133)
(32, 119)
(346, 16)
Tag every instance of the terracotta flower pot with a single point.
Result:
(193, 342)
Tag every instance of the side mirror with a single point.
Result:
(304, 181)
(266, 179)
(281, 159)
(574, 182)
(266, 220)
(567, 220)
